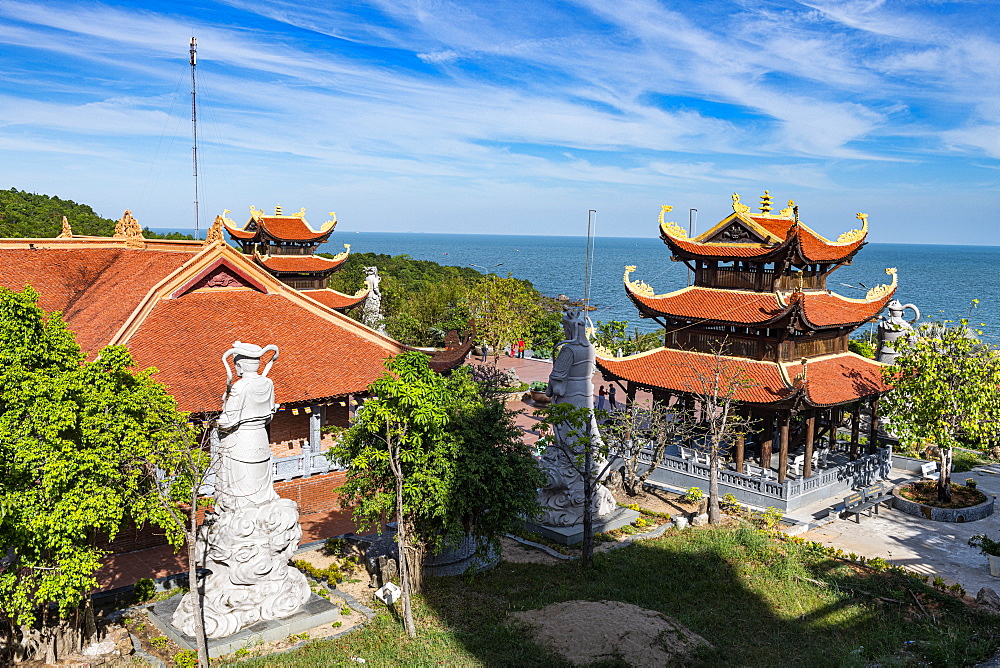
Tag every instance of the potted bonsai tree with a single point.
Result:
(989, 547)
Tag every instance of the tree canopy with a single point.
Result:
(505, 311)
(946, 391)
(74, 440)
(465, 466)
(24, 214)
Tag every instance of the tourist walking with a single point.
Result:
(611, 397)
(520, 348)
(602, 395)
(486, 350)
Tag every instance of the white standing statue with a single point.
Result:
(249, 539)
(373, 303)
(893, 327)
(571, 381)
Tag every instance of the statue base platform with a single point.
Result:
(573, 534)
(316, 611)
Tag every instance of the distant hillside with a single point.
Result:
(24, 214)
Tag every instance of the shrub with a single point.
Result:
(331, 574)
(335, 547)
(159, 642)
(985, 544)
(144, 589)
(970, 483)
(693, 494)
(730, 504)
(186, 658)
(539, 386)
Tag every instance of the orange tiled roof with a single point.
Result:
(830, 380)
(287, 264)
(95, 288)
(291, 228)
(820, 309)
(318, 358)
(333, 299)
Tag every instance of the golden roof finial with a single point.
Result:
(765, 202)
(277, 210)
(67, 231)
(214, 234)
(128, 228)
(738, 207)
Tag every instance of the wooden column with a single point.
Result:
(783, 446)
(855, 429)
(873, 428)
(807, 469)
(834, 425)
(629, 393)
(741, 442)
(767, 440)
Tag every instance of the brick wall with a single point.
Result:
(285, 426)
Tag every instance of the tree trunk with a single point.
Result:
(404, 570)
(944, 482)
(714, 513)
(198, 588)
(588, 506)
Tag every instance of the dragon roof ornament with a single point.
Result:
(128, 228)
(214, 234)
(739, 207)
(256, 213)
(788, 211)
(671, 228)
(638, 287)
(330, 224)
(343, 255)
(851, 236)
(880, 291)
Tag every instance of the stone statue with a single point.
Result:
(892, 327)
(373, 304)
(249, 539)
(571, 381)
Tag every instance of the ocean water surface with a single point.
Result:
(942, 281)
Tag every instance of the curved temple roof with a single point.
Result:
(279, 227)
(829, 380)
(820, 310)
(762, 237)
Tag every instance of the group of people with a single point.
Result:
(608, 396)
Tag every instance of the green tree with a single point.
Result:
(75, 441)
(946, 389)
(639, 436)
(546, 333)
(613, 336)
(441, 455)
(505, 309)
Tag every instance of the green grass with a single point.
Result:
(735, 587)
(966, 460)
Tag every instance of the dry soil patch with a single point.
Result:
(516, 553)
(587, 631)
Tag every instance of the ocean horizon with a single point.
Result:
(941, 280)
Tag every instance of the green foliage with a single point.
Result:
(693, 494)
(538, 386)
(466, 468)
(144, 589)
(24, 214)
(504, 309)
(546, 333)
(862, 346)
(613, 336)
(331, 574)
(946, 390)
(78, 441)
(730, 504)
(159, 642)
(985, 544)
(186, 658)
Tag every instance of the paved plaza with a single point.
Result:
(931, 548)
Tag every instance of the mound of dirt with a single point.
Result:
(587, 631)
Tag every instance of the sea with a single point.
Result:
(945, 282)
(942, 281)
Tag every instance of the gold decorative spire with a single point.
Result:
(214, 234)
(128, 228)
(738, 207)
(67, 231)
(880, 291)
(765, 202)
(855, 235)
(787, 211)
(671, 228)
(277, 210)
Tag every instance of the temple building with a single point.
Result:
(285, 246)
(759, 305)
(178, 305)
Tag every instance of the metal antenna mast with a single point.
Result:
(194, 134)
(591, 226)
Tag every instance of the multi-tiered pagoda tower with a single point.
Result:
(760, 297)
(285, 247)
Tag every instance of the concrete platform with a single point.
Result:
(317, 611)
(572, 535)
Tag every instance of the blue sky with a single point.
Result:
(513, 117)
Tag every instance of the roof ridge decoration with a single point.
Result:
(641, 288)
(788, 211)
(880, 291)
(671, 228)
(67, 231)
(339, 257)
(739, 207)
(330, 224)
(852, 236)
(301, 213)
(255, 213)
(214, 234)
(128, 228)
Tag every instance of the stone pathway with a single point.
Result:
(931, 548)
